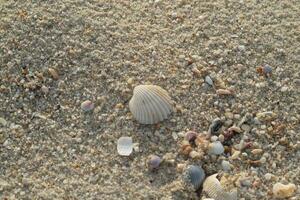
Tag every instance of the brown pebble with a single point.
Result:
(53, 73)
(257, 151)
(224, 92)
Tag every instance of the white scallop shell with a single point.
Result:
(213, 188)
(150, 104)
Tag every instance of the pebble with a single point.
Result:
(268, 176)
(257, 151)
(284, 89)
(53, 73)
(214, 138)
(226, 166)
(229, 115)
(153, 162)
(246, 127)
(215, 126)
(209, 81)
(45, 89)
(235, 155)
(190, 136)
(224, 92)
(87, 105)
(3, 122)
(282, 191)
(195, 155)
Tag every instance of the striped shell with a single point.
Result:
(150, 104)
(213, 188)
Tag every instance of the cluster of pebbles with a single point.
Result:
(225, 143)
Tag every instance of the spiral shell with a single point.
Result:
(213, 188)
(150, 104)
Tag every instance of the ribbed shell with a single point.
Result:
(150, 104)
(213, 188)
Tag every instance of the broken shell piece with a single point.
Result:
(282, 191)
(225, 92)
(209, 81)
(124, 146)
(213, 188)
(235, 129)
(194, 175)
(150, 104)
(215, 148)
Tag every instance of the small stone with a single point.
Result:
(284, 89)
(130, 81)
(214, 138)
(282, 191)
(153, 162)
(87, 105)
(53, 73)
(3, 122)
(45, 89)
(257, 151)
(235, 155)
(195, 155)
(268, 176)
(226, 166)
(215, 126)
(190, 136)
(229, 115)
(224, 92)
(221, 138)
(180, 167)
(246, 127)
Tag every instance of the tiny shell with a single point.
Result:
(213, 188)
(150, 104)
(215, 148)
(124, 146)
(194, 175)
(153, 162)
(87, 105)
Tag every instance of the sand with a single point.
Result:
(101, 50)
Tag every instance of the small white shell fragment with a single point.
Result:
(213, 188)
(124, 146)
(215, 148)
(209, 81)
(150, 104)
